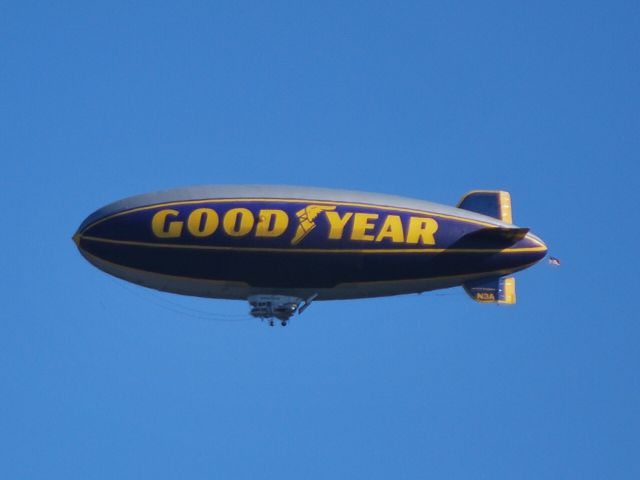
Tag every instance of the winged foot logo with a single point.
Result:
(306, 218)
(272, 223)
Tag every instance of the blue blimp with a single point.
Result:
(281, 247)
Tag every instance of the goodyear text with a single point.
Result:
(373, 227)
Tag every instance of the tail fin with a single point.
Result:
(494, 203)
(499, 290)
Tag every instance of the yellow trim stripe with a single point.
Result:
(505, 207)
(509, 287)
(310, 250)
(288, 200)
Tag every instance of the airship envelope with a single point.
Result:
(280, 248)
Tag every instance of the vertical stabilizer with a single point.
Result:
(501, 290)
(493, 203)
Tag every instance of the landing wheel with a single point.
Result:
(271, 323)
(283, 323)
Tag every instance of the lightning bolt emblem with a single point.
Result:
(306, 218)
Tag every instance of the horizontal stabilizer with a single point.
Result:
(492, 237)
(508, 234)
(493, 203)
(501, 290)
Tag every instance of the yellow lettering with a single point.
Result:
(485, 297)
(272, 223)
(199, 228)
(337, 224)
(238, 222)
(422, 229)
(361, 226)
(162, 229)
(391, 228)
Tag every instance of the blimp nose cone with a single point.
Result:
(538, 249)
(76, 239)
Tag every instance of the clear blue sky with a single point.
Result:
(99, 101)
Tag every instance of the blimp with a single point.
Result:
(280, 248)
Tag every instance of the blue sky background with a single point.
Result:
(99, 101)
